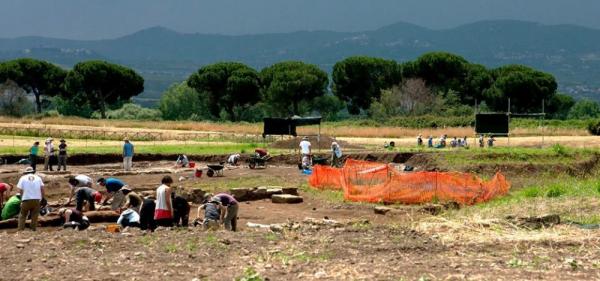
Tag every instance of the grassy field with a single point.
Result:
(368, 129)
(189, 149)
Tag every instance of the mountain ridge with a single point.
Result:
(164, 56)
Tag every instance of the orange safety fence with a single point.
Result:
(375, 182)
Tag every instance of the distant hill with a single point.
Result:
(163, 56)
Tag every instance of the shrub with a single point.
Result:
(131, 111)
(594, 128)
(559, 149)
(13, 100)
(531, 192)
(555, 191)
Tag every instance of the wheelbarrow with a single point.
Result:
(256, 161)
(215, 170)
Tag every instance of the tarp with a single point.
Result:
(279, 126)
(287, 126)
(375, 182)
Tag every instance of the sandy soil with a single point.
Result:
(357, 245)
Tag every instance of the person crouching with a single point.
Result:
(212, 213)
(74, 219)
(86, 194)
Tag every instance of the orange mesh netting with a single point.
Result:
(375, 182)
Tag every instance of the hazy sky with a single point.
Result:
(92, 19)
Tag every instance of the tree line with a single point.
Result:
(437, 83)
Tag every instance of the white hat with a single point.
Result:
(28, 170)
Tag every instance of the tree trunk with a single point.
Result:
(231, 112)
(295, 103)
(38, 102)
(102, 106)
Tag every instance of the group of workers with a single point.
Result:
(307, 157)
(164, 209)
(50, 155)
(454, 142)
(53, 155)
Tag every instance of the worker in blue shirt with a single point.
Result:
(127, 154)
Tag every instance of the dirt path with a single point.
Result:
(571, 141)
(319, 239)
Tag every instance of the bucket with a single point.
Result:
(113, 228)
(192, 164)
(198, 173)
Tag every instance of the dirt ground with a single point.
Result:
(319, 239)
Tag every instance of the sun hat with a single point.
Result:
(63, 140)
(28, 170)
(215, 199)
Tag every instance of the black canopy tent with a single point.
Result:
(287, 126)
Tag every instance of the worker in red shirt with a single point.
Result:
(5, 191)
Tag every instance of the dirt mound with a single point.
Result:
(324, 143)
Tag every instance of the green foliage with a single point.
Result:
(13, 100)
(358, 80)
(250, 274)
(103, 84)
(131, 111)
(414, 98)
(559, 150)
(531, 192)
(328, 106)
(526, 88)
(227, 85)
(559, 106)
(77, 105)
(555, 191)
(594, 128)
(180, 102)
(585, 109)
(286, 85)
(41, 78)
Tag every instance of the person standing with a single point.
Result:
(491, 141)
(31, 189)
(305, 152)
(481, 142)
(62, 155)
(430, 142)
(163, 214)
(419, 140)
(127, 154)
(336, 154)
(48, 154)
(33, 154)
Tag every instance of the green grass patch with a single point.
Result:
(203, 149)
(570, 197)
(250, 274)
(555, 190)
